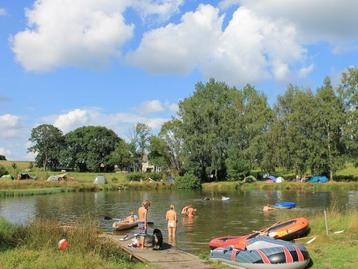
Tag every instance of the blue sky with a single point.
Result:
(116, 62)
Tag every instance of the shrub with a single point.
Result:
(188, 181)
(136, 176)
(3, 171)
(114, 179)
(155, 176)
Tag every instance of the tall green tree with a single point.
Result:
(47, 142)
(89, 148)
(158, 153)
(171, 134)
(329, 121)
(204, 128)
(140, 139)
(348, 92)
(291, 133)
(123, 156)
(250, 122)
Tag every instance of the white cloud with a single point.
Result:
(3, 12)
(305, 71)
(74, 118)
(63, 33)
(9, 125)
(249, 49)
(150, 107)
(120, 122)
(174, 107)
(164, 9)
(318, 20)
(224, 4)
(5, 152)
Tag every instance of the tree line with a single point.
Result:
(222, 132)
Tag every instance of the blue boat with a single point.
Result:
(284, 205)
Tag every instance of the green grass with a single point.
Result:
(233, 186)
(35, 247)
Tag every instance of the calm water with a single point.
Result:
(239, 215)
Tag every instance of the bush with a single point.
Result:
(136, 176)
(155, 176)
(3, 171)
(188, 181)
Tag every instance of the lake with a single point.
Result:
(241, 214)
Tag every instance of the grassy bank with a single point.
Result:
(296, 186)
(34, 187)
(335, 251)
(35, 246)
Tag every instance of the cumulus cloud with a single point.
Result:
(249, 49)
(319, 20)
(9, 125)
(150, 107)
(120, 122)
(5, 152)
(305, 71)
(164, 9)
(64, 33)
(71, 33)
(224, 4)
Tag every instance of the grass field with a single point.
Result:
(35, 247)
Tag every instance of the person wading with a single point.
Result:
(172, 219)
(143, 221)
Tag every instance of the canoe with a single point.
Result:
(124, 226)
(284, 205)
(263, 252)
(287, 230)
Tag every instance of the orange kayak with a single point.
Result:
(287, 230)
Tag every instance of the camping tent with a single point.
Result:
(280, 179)
(249, 179)
(318, 179)
(272, 178)
(6, 177)
(100, 180)
(23, 176)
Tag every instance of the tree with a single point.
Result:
(158, 153)
(89, 148)
(140, 139)
(47, 141)
(348, 92)
(171, 133)
(329, 121)
(2, 158)
(123, 155)
(291, 133)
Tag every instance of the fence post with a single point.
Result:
(325, 221)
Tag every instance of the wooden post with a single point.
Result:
(325, 221)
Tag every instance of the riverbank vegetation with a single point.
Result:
(338, 249)
(295, 186)
(35, 246)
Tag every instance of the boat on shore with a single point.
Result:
(263, 252)
(286, 230)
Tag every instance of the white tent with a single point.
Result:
(100, 180)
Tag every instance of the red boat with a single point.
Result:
(287, 230)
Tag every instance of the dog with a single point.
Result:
(157, 239)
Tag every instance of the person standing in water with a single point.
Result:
(143, 221)
(172, 218)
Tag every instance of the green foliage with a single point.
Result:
(158, 153)
(47, 141)
(136, 176)
(3, 171)
(123, 155)
(188, 182)
(14, 166)
(89, 148)
(2, 158)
